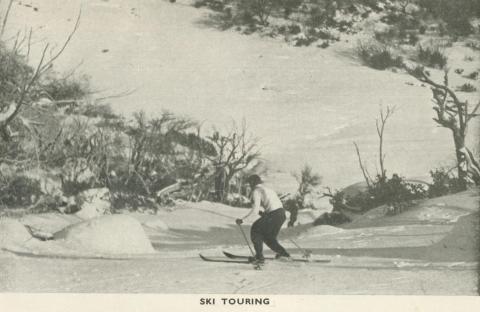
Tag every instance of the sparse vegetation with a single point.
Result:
(66, 89)
(473, 75)
(307, 182)
(454, 114)
(432, 56)
(444, 183)
(377, 55)
(467, 87)
(456, 15)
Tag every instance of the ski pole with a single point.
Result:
(306, 253)
(246, 240)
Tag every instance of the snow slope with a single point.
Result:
(306, 104)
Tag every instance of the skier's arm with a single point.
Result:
(256, 201)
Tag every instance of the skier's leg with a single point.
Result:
(257, 237)
(275, 222)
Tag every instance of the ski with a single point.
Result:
(222, 259)
(232, 256)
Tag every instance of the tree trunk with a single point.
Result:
(220, 184)
(228, 178)
(462, 164)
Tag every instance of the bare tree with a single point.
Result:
(25, 88)
(455, 115)
(380, 125)
(235, 151)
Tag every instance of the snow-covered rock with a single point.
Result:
(93, 203)
(12, 232)
(114, 234)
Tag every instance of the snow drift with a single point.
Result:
(113, 234)
(12, 232)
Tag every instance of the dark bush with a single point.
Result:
(456, 14)
(67, 88)
(473, 45)
(14, 73)
(304, 41)
(378, 56)
(432, 56)
(331, 218)
(294, 29)
(103, 111)
(256, 11)
(413, 39)
(216, 5)
(443, 183)
(288, 6)
(467, 87)
(422, 29)
(394, 192)
(19, 191)
(473, 75)
(324, 45)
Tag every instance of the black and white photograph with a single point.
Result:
(253, 148)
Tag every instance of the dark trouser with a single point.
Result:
(265, 230)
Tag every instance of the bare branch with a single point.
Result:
(5, 18)
(64, 46)
(362, 167)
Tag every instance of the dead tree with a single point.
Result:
(380, 125)
(235, 151)
(455, 115)
(26, 88)
(365, 173)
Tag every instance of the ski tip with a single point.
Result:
(229, 255)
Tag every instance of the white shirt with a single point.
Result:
(264, 197)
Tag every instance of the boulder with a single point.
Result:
(113, 234)
(93, 203)
(12, 232)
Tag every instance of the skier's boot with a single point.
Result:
(283, 258)
(256, 260)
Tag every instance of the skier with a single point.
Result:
(267, 227)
